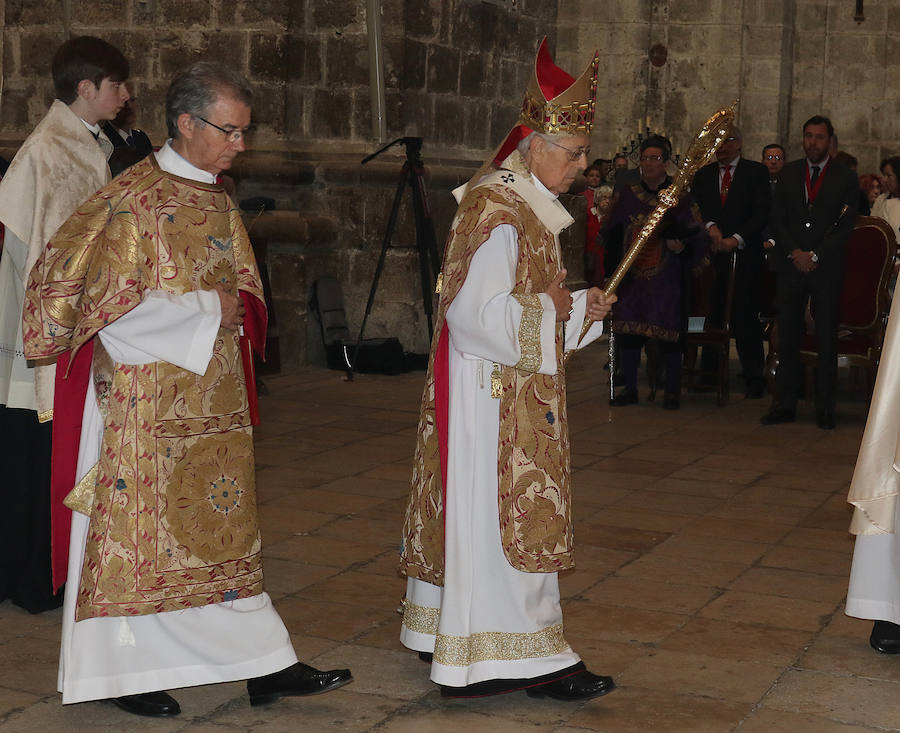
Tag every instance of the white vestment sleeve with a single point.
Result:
(576, 323)
(485, 318)
(178, 329)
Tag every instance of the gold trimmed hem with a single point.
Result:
(45, 416)
(421, 619)
(81, 498)
(462, 651)
(530, 332)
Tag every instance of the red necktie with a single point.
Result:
(726, 184)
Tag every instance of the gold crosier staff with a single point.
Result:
(701, 152)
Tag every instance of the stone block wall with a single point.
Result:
(449, 69)
(454, 74)
(784, 59)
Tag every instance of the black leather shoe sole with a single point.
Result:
(148, 704)
(885, 637)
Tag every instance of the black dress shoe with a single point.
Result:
(151, 704)
(671, 401)
(579, 686)
(885, 637)
(625, 397)
(298, 679)
(825, 420)
(778, 415)
(426, 657)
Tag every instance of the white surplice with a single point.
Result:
(235, 640)
(482, 593)
(874, 591)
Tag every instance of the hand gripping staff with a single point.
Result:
(701, 152)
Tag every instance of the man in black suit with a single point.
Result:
(130, 145)
(773, 158)
(813, 210)
(734, 200)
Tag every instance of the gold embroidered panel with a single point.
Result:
(534, 497)
(421, 619)
(485, 646)
(530, 332)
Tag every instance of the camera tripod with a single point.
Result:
(412, 174)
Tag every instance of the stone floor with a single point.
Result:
(713, 557)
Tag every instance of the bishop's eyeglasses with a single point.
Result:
(574, 155)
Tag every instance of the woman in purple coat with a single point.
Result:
(651, 296)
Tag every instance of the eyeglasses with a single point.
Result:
(574, 155)
(648, 158)
(232, 135)
(774, 157)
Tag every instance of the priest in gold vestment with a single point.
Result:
(489, 521)
(143, 294)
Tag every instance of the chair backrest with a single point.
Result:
(704, 289)
(327, 304)
(868, 263)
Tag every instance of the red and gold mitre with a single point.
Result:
(555, 103)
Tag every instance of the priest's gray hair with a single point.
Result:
(196, 89)
(525, 143)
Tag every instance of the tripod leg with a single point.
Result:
(385, 244)
(425, 243)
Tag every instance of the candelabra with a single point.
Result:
(632, 149)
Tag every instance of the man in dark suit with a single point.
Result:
(130, 145)
(734, 200)
(813, 210)
(773, 158)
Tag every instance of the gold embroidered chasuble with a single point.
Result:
(173, 520)
(534, 496)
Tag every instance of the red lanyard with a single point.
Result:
(812, 192)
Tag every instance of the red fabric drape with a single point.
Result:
(256, 321)
(69, 394)
(442, 404)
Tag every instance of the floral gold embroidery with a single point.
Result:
(210, 508)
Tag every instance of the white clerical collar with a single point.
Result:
(172, 162)
(542, 188)
(93, 129)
